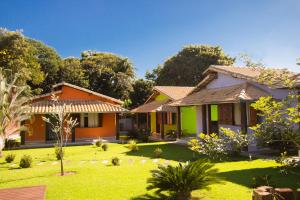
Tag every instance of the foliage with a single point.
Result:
(99, 142)
(25, 161)
(181, 180)
(108, 73)
(209, 144)
(153, 76)
(287, 163)
(262, 180)
(104, 147)
(12, 143)
(17, 55)
(187, 66)
(10, 157)
(142, 89)
(62, 126)
(13, 104)
(277, 130)
(50, 63)
(72, 72)
(132, 145)
(115, 161)
(58, 154)
(143, 135)
(235, 141)
(158, 152)
(171, 134)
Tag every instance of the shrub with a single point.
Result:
(287, 163)
(105, 147)
(171, 135)
(25, 161)
(158, 152)
(57, 152)
(99, 142)
(10, 157)
(12, 143)
(179, 181)
(115, 161)
(132, 145)
(264, 180)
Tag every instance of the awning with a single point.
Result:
(154, 106)
(230, 94)
(75, 106)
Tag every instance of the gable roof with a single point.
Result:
(231, 94)
(78, 88)
(173, 92)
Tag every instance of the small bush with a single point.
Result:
(105, 147)
(25, 161)
(57, 152)
(115, 161)
(98, 143)
(262, 180)
(158, 152)
(10, 157)
(132, 145)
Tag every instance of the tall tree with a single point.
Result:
(187, 66)
(72, 72)
(17, 55)
(142, 89)
(50, 63)
(108, 73)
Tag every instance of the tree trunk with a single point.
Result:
(61, 162)
(183, 196)
(2, 143)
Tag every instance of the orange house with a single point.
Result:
(97, 114)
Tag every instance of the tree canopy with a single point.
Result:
(142, 89)
(187, 66)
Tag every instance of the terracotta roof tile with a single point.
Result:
(174, 92)
(75, 106)
(235, 93)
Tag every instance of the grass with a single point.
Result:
(94, 180)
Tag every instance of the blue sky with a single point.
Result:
(150, 31)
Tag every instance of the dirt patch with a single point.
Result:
(66, 174)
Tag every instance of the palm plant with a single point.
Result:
(181, 180)
(13, 107)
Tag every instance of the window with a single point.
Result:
(165, 117)
(226, 114)
(85, 120)
(253, 116)
(100, 119)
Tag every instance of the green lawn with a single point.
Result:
(94, 180)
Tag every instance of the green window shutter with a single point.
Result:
(214, 112)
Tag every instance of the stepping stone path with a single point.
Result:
(54, 163)
(143, 161)
(82, 161)
(93, 162)
(155, 161)
(41, 163)
(13, 165)
(105, 162)
(130, 161)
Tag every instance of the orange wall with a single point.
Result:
(108, 129)
(69, 93)
(36, 129)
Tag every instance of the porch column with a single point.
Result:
(244, 125)
(117, 126)
(137, 120)
(178, 122)
(22, 134)
(204, 119)
(209, 118)
(162, 131)
(147, 126)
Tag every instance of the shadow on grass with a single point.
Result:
(278, 179)
(19, 179)
(177, 152)
(170, 152)
(158, 197)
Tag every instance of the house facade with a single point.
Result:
(97, 115)
(223, 99)
(155, 116)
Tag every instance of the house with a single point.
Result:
(155, 116)
(223, 98)
(97, 114)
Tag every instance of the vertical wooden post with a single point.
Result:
(244, 125)
(117, 126)
(162, 131)
(147, 117)
(178, 122)
(22, 134)
(137, 120)
(209, 119)
(204, 119)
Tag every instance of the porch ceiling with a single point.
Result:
(231, 94)
(75, 106)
